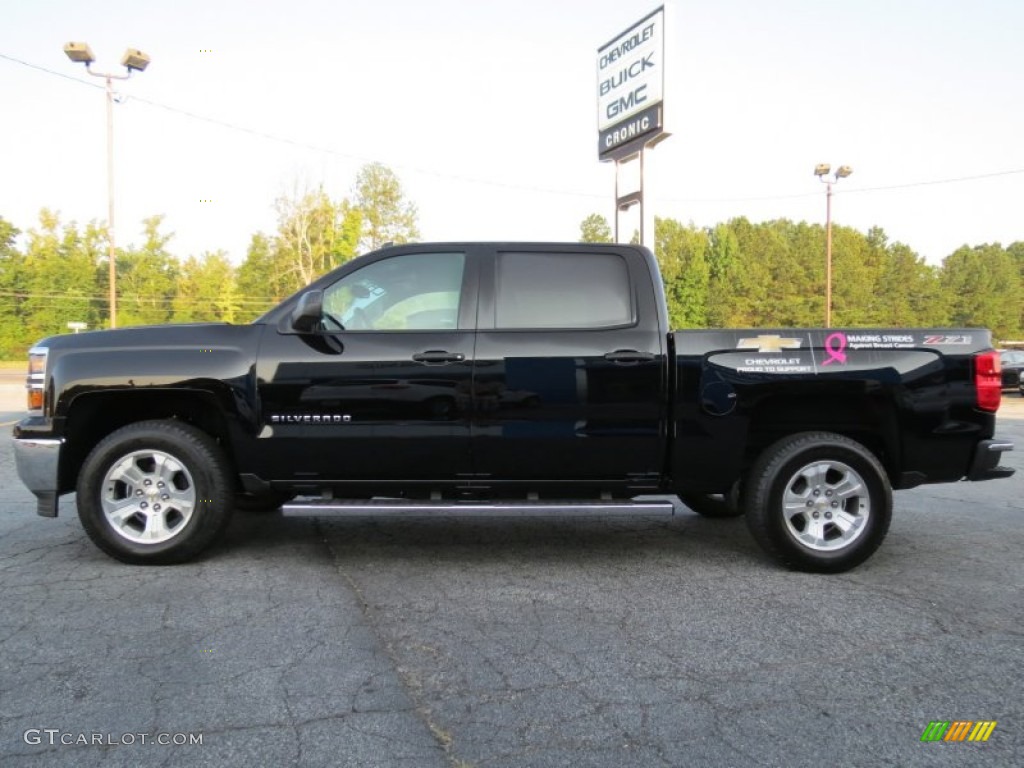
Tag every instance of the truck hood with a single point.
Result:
(204, 356)
(146, 336)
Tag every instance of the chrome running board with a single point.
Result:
(401, 508)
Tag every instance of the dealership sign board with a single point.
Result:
(631, 87)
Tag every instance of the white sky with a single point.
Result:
(487, 112)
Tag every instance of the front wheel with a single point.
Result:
(154, 492)
(819, 502)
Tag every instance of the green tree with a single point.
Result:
(682, 254)
(259, 284)
(94, 249)
(11, 276)
(386, 215)
(595, 229)
(58, 278)
(774, 274)
(1016, 252)
(908, 292)
(983, 287)
(205, 290)
(722, 250)
(723, 257)
(314, 235)
(753, 284)
(857, 266)
(146, 278)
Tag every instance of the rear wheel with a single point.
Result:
(154, 492)
(819, 502)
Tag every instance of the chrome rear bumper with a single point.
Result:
(986, 460)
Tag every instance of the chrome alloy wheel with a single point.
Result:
(148, 496)
(826, 505)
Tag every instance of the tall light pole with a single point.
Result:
(133, 61)
(822, 170)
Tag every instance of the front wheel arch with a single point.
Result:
(92, 416)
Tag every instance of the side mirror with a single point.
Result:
(308, 312)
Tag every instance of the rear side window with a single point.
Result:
(562, 290)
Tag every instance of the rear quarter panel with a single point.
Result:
(908, 394)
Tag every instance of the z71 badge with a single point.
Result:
(930, 341)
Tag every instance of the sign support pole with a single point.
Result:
(617, 201)
(623, 202)
(643, 240)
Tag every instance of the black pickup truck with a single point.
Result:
(507, 378)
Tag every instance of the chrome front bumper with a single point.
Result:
(38, 462)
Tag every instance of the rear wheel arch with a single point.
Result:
(867, 420)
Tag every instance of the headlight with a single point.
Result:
(36, 382)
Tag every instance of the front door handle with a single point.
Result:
(438, 356)
(629, 356)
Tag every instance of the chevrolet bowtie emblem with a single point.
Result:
(768, 343)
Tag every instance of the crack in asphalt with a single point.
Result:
(410, 684)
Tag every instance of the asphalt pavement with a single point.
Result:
(514, 642)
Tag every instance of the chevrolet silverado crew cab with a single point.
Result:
(502, 378)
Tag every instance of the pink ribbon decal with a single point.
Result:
(835, 345)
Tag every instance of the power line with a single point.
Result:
(312, 147)
(50, 71)
(956, 180)
(851, 191)
(758, 199)
(490, 182)
(70, 297)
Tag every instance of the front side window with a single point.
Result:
(562, 290)
(413, 292)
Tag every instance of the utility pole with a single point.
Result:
(133, 60)
(822, 171)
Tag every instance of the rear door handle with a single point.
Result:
(438, 356)
(629, 356)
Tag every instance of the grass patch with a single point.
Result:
(13, 365)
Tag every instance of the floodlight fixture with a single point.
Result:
(80, 53)
(821, 169)
(134, 59)
(843, 171)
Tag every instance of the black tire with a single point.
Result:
(718, 505)
(840, 502)
(261, 503)
(163, 464)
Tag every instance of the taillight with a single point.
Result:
(988, 380)
(36, 379)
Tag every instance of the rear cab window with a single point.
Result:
(537, 290)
